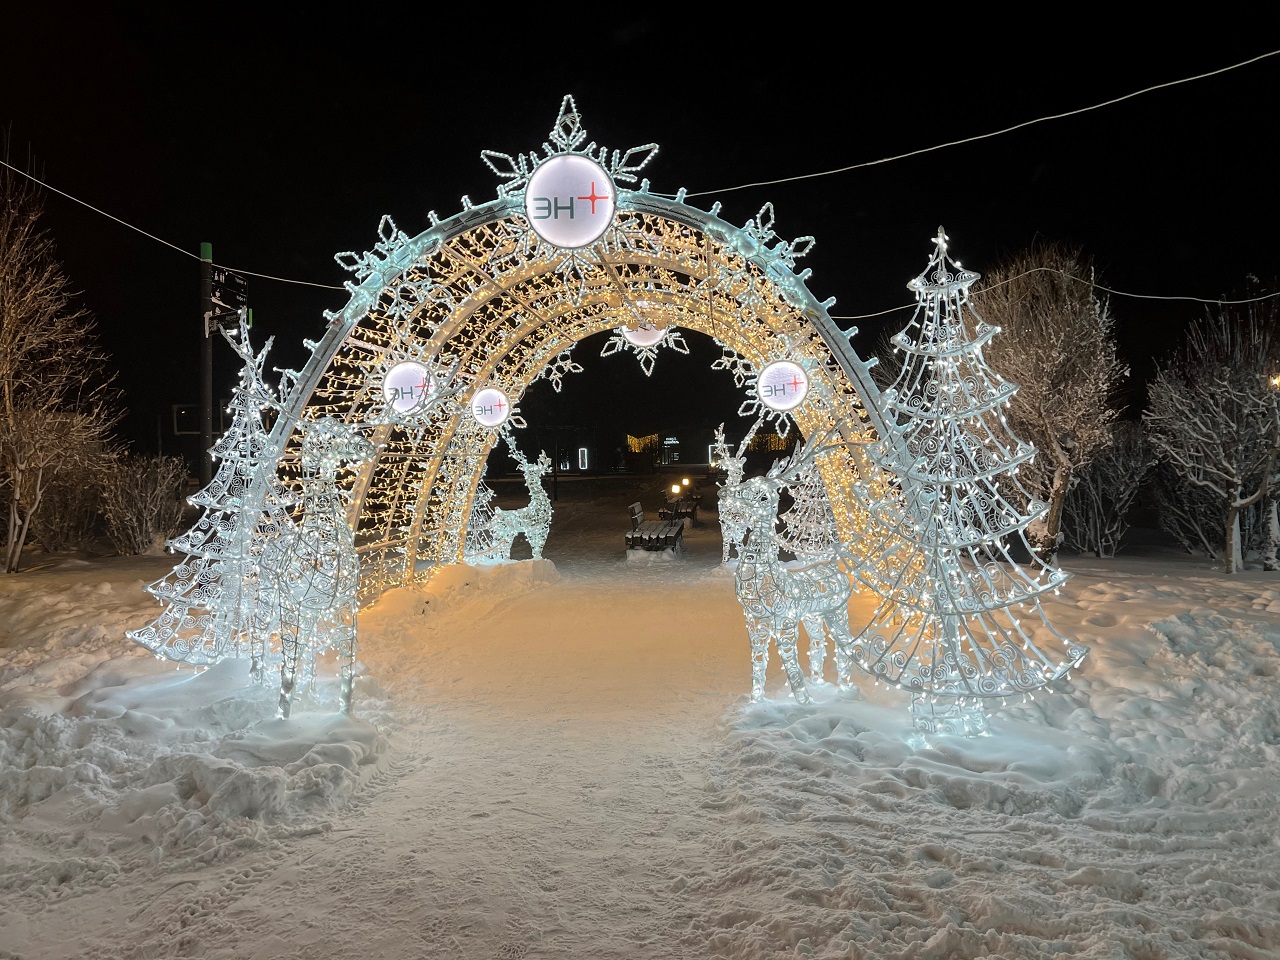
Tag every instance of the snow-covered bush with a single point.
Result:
(69, 516)
(142, 501)
(1095, 516)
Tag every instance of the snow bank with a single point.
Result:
(557, 758)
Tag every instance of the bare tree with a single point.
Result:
(1260, 531)
(56, 404)
(1192, 515)
(1214, 412)
(1058, 345)
(1095, 515)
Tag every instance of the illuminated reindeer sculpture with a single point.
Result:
(777, 598)
(534, 520)
(313, 571)
(732, 526)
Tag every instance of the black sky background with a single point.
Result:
(281, 136)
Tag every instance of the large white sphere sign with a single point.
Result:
(407, 386)
(782, 385)
(569, 201)
(644, 336)
(490, 407)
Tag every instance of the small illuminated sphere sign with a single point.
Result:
(408, 386)
(782, 385)
(569, 201)
(490, 407)
(644, 336)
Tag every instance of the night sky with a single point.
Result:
(282, 140)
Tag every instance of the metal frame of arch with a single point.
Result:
(482, 293)
(496, 297)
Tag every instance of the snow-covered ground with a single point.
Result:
(557, 759)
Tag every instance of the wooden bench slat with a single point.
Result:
(652, 534)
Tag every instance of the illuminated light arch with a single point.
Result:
(490, 300)
(482, 292)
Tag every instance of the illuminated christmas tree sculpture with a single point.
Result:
(960, 624)
(809, 524)
(479, 542)
(214, 605)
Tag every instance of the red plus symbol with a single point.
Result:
(593, 198)
(423, 385)
(796, 383)
(499, 405)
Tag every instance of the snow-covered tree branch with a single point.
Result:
(1214, 413)
(56, 408)
(1058, 345)
(1095, 514)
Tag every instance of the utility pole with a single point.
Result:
(206, 363)
(223, 294)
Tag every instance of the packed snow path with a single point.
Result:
(569, 768)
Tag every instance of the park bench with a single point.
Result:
(681, 508)
(652, 534)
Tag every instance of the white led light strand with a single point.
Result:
(952, 579)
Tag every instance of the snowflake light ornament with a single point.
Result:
(562, 223)
(494, 410)
(776, 390)
(783, 253)
(414, 386)
(555, 371)
(566, 137)
(645, 340)
(738, 366)
(391, 242)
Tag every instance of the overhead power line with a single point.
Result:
(160, 240)
(766, 183)
(1218, 302)
(984, 136)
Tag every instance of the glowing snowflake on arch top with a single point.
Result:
(551, 227)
